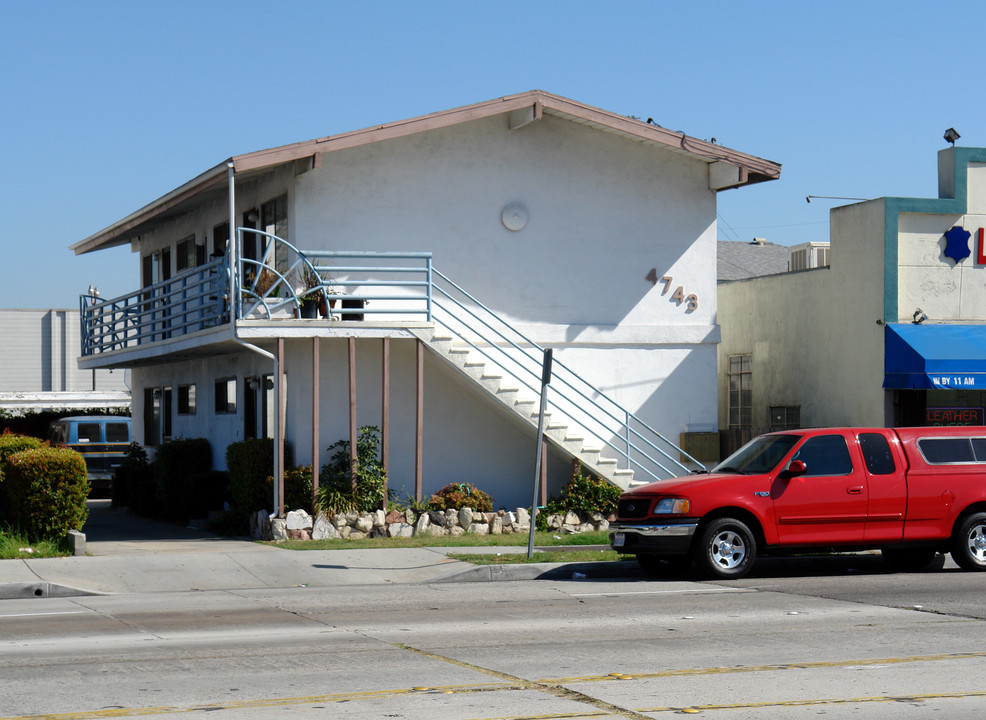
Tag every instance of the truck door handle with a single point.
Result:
(857, 490)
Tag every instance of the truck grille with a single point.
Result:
(633, 508)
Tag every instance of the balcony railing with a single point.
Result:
(191, 301)
(283, 283)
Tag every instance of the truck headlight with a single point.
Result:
(672, 506)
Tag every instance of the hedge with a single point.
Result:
(9, 445)
(49, 487)
(174, 463)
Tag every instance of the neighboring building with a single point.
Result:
(40, 369)
(739, 260)
(461, 244)
(893, 332)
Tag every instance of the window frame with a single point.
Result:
(223, 404)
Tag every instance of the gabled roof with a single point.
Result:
(735, 168)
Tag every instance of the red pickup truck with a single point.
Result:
(911, 492)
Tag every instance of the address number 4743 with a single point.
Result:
(678, 296)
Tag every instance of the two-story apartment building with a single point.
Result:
(454, 249)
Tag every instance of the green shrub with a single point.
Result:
(51, 486)
(456, 496)
(206, 491)
(337, 492)
(133, 483)
(588, 493)
(297, 488)
(249, 464)
(174, 462)
(10, 444)
(585, 493)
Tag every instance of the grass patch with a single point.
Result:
(14, 546)
(541, 539)
(556, 556)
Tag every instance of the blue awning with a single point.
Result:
(928, 357)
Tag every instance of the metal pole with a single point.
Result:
(545, 379)
(234, 294)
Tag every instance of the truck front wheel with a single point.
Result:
(726, 549)
(969, 543)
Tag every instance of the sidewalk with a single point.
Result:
(130, 554)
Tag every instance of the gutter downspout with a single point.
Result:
(234, 297)
(278, 430)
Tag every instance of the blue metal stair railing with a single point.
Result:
(640, 447)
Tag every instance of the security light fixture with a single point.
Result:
(951, 136)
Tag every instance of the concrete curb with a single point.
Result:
(21, 591)
(542, 571)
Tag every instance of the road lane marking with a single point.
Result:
(552, 686)
(780, 666)
(820, 701)
(666, 592)
(42, 614)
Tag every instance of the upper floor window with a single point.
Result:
(185, 254)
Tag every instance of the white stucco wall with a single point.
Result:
(602, 214)
(465, 436)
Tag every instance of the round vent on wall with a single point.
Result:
(514, 216)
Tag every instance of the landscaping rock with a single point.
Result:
(299, 520)
(323, 529)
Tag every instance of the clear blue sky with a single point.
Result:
(109, 105)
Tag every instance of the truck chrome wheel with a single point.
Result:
(969, 543)
(726, 549)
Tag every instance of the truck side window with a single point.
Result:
(941, 451)
(825, 455)
(979, 446)
(876, 453)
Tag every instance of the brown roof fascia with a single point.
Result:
(379, 133)
(540, 99)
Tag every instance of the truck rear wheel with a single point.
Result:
(969, 543)
(726, 549)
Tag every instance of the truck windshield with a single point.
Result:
(760, 455)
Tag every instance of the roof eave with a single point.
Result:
(750, 169)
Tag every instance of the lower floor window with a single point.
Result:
(785, 417)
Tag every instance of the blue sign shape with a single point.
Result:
(957, 244)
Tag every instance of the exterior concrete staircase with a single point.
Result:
(525, 403)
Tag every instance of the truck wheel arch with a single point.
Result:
(747, 517)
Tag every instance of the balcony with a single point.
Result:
(284, 285)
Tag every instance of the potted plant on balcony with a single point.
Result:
(313, 296)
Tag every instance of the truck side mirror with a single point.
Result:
(795, 468)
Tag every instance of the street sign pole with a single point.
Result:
(545, 379)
